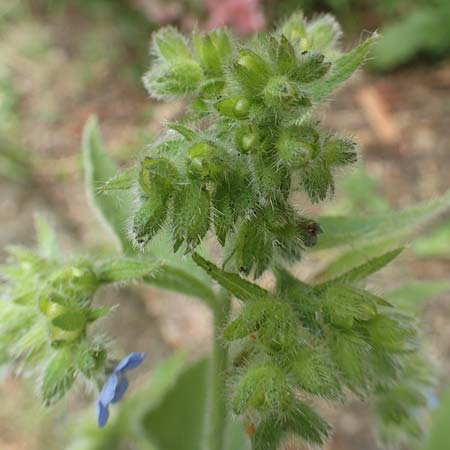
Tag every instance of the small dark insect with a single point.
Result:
(309, 229)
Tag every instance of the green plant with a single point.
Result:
(229, 169)
(423, 31)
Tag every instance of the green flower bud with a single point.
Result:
(251, 71)
(345, 305)
(280, 333)
(314, 372)
(212, 88)
(339, 152)
(281, 93)
(247, 138)
(235, 107)
(297, 145)
(251, 319)
(394, 334)
(324, 33)
(262, 388)
(203, 162)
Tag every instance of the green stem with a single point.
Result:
(217, 408)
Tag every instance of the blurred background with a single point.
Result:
(62, 61)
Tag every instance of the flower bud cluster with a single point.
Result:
(306, 342)
(246, 145)
(232, 165)
(45, 313)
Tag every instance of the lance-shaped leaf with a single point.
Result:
(242, 289)
(98, 169)
(342, 68)
(357, 230)
(362, 271)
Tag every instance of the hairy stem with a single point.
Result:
(217, 408)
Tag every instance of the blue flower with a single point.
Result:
(116, 385)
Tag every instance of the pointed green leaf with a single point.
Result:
(342, 68)
(186, 132)
(346, 230)
(242, 289)
(98, 169)
(362, 271)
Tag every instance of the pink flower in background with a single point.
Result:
(243, 16)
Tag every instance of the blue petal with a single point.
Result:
(102, 414)
(108, 391)
(120, 390)
(130, 362)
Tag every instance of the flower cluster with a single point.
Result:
(246, 145)
(46, 310)
(233, 165)
(46, 313)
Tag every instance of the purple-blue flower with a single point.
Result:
(116, 385)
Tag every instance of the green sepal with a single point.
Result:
(59, 375)
(311, 67)
(170, 45)
(263, 388)
(148, 220)
(71, 321)
(190, 215)
(177, 79)
(314, 372)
